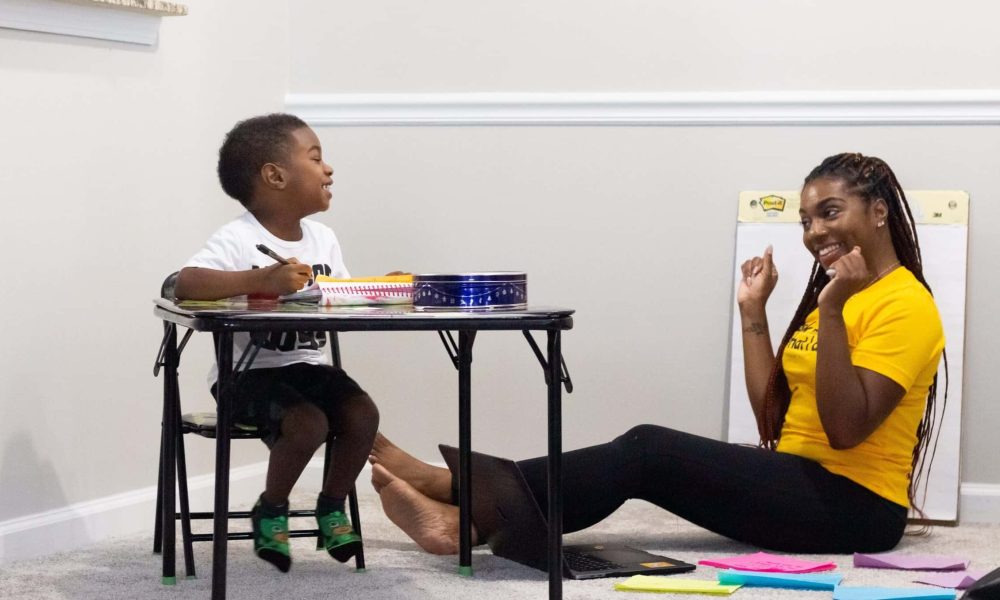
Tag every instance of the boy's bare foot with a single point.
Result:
(433, 525)
(433, 482)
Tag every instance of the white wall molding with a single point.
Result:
(811, 107)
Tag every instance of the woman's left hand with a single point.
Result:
(850, 276)
(759, 276)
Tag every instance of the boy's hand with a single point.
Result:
(279, 279)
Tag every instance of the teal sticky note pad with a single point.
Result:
(797, 581)
(880, 593)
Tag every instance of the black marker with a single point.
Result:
(265, 250)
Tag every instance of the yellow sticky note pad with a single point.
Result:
(653, 583)
(379, 279)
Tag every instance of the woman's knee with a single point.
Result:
(642, 435)
(644, 441)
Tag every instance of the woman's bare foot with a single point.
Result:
(433, 482)
(433, 525)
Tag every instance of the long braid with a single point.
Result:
(778, 395)
(872, 179)
(909, 255)
(907, 246)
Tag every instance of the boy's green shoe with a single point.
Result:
(337, 535)
(270, 538)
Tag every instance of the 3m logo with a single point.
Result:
(772, 202)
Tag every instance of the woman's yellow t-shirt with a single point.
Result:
(894, 329)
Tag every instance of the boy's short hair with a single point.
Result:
(250, 145)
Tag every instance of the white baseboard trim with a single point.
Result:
(87, 523)
(979, 503)
(808, 107)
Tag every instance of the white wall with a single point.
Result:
(108, 183)
(632, 226)
(641, 45)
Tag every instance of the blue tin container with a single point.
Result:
(498, 290)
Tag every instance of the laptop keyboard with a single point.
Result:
(583, 563)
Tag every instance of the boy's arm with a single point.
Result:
(199, 283)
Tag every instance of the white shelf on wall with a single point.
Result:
(154, 7)
(130, 21)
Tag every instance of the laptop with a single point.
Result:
(509, 519)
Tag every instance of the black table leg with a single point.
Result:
(465, 341)
(158, 518)
(168, 457)
(555, 464)
(221, 521)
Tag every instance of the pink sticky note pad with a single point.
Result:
(769, 563)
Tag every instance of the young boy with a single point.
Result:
(274, 166)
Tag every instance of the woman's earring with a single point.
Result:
(881, 223)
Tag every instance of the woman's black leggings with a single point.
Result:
(768, 499)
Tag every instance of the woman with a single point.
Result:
(844, 408)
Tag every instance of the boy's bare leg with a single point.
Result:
(303, 430)
(428, 480)
(354, 425)
(433, 525)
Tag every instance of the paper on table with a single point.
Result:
(310, 295)
(880, 593)
(958, 579)
(916, 562)
(377, 279)
(798, 581)
(387, 289)
(653, 583)
(769, 563)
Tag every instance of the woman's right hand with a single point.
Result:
(759, 276)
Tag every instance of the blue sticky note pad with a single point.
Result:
(797, 581)
(881, 593)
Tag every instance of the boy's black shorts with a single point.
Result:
(263, 395)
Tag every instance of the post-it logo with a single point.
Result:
(772, 202)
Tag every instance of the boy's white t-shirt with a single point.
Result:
(234, 248)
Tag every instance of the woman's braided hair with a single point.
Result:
(871, 179)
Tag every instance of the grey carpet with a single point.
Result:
(397, 568)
